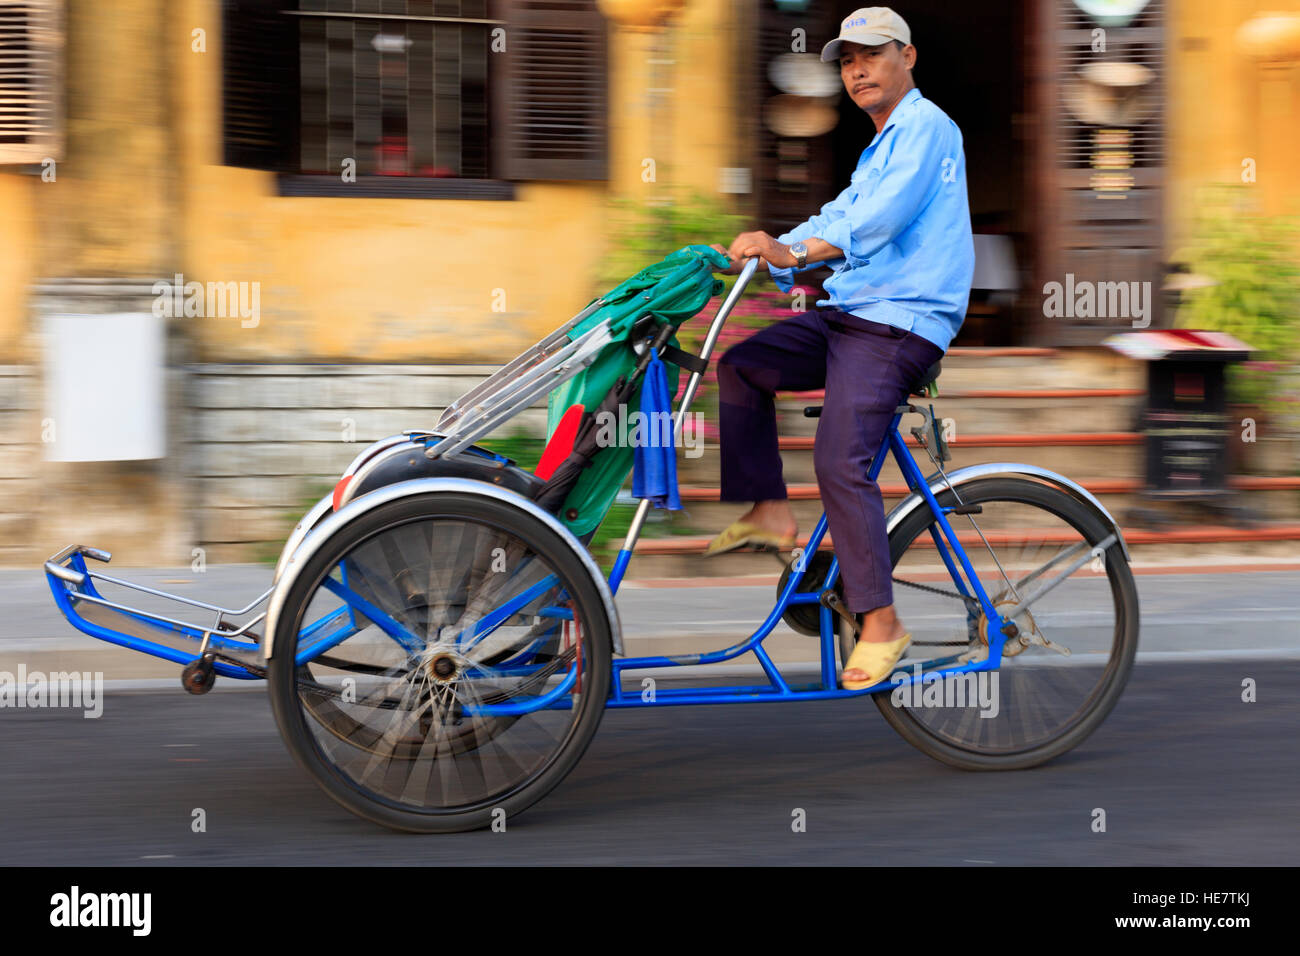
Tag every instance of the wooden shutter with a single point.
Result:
(1101, 236)
(31, 81)
(260, 123)
(795, 176)
(549, 91)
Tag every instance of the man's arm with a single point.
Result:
(912, 174)
(879, 213)
(819, 250)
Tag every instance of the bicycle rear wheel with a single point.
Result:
(1042, 701)
(441, 658)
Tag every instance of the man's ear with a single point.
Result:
(909, 56)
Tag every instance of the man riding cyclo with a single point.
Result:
(899, 241)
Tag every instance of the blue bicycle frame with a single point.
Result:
(778, 688)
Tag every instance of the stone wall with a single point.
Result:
(19, 448)
(270, 440)
(254, 446)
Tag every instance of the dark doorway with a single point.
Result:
(968, 64)
(971, 62)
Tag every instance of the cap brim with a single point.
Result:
(832, 50)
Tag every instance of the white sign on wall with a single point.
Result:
(105, 387)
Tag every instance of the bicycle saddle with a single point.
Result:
(919, 387)
(927, 379)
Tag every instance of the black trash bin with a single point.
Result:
(1185, 420)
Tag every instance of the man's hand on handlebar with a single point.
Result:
(736, 264)
(749, 244)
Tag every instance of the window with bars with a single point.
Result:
(31, 43)
(435, 97)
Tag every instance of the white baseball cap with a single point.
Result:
(870, 26)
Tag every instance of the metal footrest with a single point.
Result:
(235, 648)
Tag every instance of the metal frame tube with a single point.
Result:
(453, 411)
(1097, 551)
(522, 392)
(693, 383)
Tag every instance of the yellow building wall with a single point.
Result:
(1224, 107)
(142, 190)
(400, 280)
(143, 194)
(104, 207)
(18, 237)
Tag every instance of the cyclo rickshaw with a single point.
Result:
(440, 645)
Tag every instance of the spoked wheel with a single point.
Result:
(1060, 677)
(440, 659)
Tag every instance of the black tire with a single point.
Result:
(591, 653)
(970, 754)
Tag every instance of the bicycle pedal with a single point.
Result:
(833, 601)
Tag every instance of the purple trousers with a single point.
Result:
(866, 369)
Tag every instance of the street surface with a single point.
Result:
(1186, 771)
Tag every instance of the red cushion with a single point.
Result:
(561, 443)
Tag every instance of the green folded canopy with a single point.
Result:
(672, 290)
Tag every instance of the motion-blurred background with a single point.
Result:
(244, 238)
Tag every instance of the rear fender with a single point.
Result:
(335, 521)
(963, 476)
(400, 458)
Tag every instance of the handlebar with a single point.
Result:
(715, 328)
(728, 303)
(747, 272)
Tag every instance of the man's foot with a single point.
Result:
(872, 661)
(769, 524)
(741, 533)
(774, 516)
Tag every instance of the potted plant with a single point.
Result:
(1253, 262)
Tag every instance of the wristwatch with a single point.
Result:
(800, 254)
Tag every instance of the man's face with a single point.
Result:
(876, 76)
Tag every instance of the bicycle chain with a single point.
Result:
(940, 591)
(967, 601)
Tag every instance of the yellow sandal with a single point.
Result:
(877, 658)
(741, 533)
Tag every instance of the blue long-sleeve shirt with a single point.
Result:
(903, 224)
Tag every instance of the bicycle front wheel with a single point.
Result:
(441, 662)
(1066, 669)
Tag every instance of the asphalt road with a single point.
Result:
(1186, 772)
